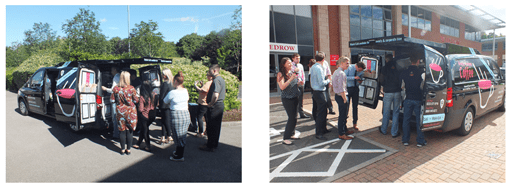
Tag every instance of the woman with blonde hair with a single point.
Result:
(125, 96)
(178, 100)
(166, 87)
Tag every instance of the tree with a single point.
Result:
(211, 43)
(118, 46)
(168, 49)
(16, 54)
(237, 19)
(145, 39)
(40, 37)
(83, 33)
(188, 44)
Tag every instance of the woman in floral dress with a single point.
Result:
(125, 96)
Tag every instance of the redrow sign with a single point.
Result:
(279, 47)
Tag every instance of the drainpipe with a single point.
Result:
(409, 20)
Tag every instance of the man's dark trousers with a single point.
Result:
(321, 112)
(353, 98)
(213, 124)
(300, 99)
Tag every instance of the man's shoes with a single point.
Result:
(304, 116)
(405, 143)
(398, 134)
(349, 132)
(206, 148)
(421, 144)
(332, 112)
(327, 131)
(320, 137)
(380, 130)
(355, 126)
(177, 159)
(345, 137)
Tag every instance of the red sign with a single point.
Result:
(333, 59)
(450, 40)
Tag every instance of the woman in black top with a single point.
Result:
(288, 83)
(166, 87)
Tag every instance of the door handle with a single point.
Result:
(432, 94)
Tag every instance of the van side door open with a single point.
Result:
(435, 90)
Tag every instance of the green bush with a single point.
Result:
(193, 73)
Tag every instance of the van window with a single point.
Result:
(37, 79)
(435, 67)
(470, 69)
(495, 68)
(67, 78)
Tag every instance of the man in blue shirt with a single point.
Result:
(413, 78)
(354, 77)
(318, 81)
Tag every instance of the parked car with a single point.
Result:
(460, 84)
(71, 92)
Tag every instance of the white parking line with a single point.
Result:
(332, 169)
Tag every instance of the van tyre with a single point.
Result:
(502, 107)
(23, 109)
(467, 122)
(74, 127)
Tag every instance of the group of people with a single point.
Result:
(134, 104)
(345, 82)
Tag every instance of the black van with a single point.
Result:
(71, 92)
(460, 84)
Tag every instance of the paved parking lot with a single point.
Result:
(479, 157)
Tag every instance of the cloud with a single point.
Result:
(103, 20)
(113, 28)
(182, 19)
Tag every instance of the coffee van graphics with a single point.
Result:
(484, 84)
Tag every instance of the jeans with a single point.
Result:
(409, 107)
(389, 98)
(342, 115)
(353, 98)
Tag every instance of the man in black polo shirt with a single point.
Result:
(215, 98)
(413, 78)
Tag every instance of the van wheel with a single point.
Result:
(467, 122)
(502, 107)
(22, 107)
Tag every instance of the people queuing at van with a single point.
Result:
(146, 114)
(354, 75)
(125, 96)
(115, 70)
(301, 77)
(178, 100)
(413, 80)
(166, 87)
(288, 83)
(391, 88)
(319, 80)
(203, 89)
(339, 81)
(215, 98)
(327, 71)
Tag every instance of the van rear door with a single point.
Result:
(435, 90)
(87, 91)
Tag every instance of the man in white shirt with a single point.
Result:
(115, 70)
(301, 77)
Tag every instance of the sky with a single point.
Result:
(174, 21)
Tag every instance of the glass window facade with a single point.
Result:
(449, 27)
(472, 34)
(488, 46)
(420, 18)
(368, 21)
